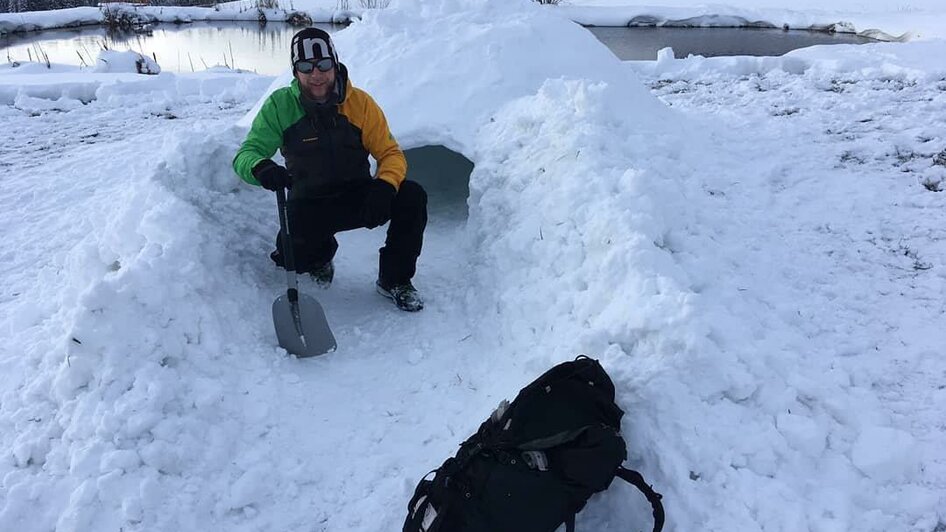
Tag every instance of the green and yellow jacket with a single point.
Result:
(325, 146)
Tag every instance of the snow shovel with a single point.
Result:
(300, 322)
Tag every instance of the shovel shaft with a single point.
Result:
(286, 238)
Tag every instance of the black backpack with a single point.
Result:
(535, 462)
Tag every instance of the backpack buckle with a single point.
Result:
(500, 411)
(536, 460)
(430, 516)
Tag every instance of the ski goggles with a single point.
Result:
(323, 65)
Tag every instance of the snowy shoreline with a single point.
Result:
(882, 26)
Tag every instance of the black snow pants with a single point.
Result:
(313, 224)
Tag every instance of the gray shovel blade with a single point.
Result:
(301, 327)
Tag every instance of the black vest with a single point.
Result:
(323, 150)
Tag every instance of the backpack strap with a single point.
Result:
(637, 480)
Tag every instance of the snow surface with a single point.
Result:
(752, 246)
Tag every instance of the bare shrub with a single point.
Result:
(121, 19)
(299, 18)
(41, 55)
(10, 60)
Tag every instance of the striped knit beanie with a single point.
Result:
(312, 44)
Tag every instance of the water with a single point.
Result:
(178, 48)
(643, 43)
(265, 49)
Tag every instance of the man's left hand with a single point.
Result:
(377, 209)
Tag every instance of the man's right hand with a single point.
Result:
(271, 176)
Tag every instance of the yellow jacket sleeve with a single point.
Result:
(380, 143)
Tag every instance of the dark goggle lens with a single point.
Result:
(324, 65)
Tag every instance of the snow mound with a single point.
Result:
(113, 61)
(63, 84)
(37, 105)
(57, 18)
(69, 89)
(902, 61)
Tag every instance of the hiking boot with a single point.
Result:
(404, 295)
(323, 274)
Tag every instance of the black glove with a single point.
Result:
(377, 209)
(272, 176)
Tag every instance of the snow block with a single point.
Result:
(250, 488)
(802, 433)
(884, 453)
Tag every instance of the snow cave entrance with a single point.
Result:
(445, 175)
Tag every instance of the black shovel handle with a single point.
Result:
(289, 259)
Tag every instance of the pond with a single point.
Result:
(264, 49)
(643, 43)
(177, 48)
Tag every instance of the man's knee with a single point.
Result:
(412, 195)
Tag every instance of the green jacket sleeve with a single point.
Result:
(262, 141)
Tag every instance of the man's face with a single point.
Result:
(316, 84)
